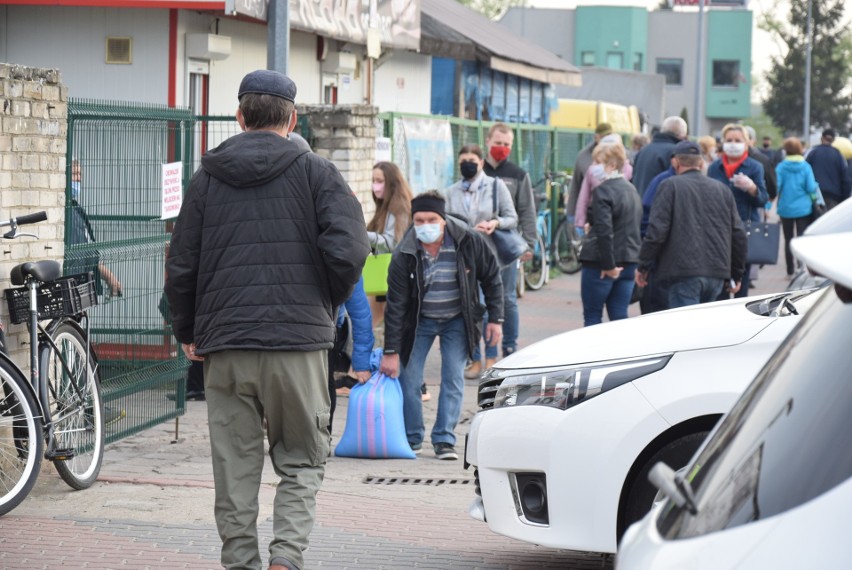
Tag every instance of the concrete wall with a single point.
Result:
(672, 35)
(33, 130)
(346, 135)
(548, 27)
(73, 39)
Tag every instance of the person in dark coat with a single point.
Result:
(830, 170)
(433, 291)
(611, 250)
(656, 156)
(269, 240)
(695, 239)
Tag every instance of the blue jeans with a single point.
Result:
(685, 291)
(509, 276)
(453, 355)
(612, 293)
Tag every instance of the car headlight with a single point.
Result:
(564, 386)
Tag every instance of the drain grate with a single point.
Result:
(437, 482)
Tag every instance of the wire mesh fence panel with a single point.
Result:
(116, 152)
(568, 146)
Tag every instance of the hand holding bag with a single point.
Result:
(375, 428)
(510, 244)
(763, 241)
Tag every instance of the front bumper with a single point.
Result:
(581, 455)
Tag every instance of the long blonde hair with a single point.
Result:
(396, 200)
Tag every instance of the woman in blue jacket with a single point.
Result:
(744, 176)
(797, 193)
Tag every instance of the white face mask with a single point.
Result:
(734, 149)
(428, 233)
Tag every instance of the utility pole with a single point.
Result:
(806, 119)
(278, 35)
(695, 128)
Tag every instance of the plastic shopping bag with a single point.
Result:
(375, 428)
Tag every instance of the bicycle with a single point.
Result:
(567, 239)
(57, 414)
(536, 268)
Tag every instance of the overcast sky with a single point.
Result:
(762, 44)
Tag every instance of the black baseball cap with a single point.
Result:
(268, 82)
(687, 147)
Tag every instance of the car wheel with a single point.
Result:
(641, 492)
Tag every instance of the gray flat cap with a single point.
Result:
(267, 82)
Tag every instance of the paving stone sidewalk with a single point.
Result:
(153, 504)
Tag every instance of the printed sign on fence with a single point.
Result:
(172, 189)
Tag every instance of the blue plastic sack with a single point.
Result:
(375, 428)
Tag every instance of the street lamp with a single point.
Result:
(806, 120)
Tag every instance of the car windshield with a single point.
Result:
(785, 441)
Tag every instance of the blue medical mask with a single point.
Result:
(75, 190)
(428, 233)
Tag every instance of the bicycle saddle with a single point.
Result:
(45, 270)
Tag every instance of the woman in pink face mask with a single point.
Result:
(392, 197)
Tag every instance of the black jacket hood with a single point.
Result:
(251, 158)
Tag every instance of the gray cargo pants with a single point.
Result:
(289, 389)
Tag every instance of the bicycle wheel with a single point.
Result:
(535, 269)
(566, 250)
(21, 439)
(76, 406)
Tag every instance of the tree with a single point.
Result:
(493, 9)
(831, 67)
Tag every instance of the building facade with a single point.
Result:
(661, 42)
(192, 53)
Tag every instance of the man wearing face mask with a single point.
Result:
(497, 165)
(433, 291)
(81, 233)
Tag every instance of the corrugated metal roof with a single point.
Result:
(495, 45)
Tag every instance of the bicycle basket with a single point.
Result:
(67, 295)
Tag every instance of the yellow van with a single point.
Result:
(586, 115)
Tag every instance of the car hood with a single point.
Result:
(711, 325)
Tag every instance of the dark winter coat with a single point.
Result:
(615, 216)
(268, 241)
(694, 231)
(654, 158)
(748, 206)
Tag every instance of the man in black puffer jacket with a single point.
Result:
(269, 241)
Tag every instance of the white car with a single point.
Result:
(772, 487)
(570, 426)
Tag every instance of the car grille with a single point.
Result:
(488, 391)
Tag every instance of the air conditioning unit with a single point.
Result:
(339, 62)
(208, 46)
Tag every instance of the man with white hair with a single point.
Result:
(656, 156)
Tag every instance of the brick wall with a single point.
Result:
(346, 135)
(33, 129)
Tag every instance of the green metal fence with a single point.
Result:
(538, 149)
(120, 150)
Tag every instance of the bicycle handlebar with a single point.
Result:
(31, 218)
